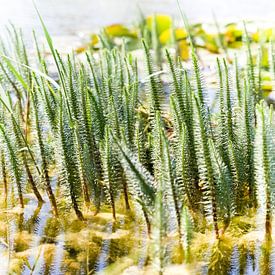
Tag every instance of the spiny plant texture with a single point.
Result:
(179, 167)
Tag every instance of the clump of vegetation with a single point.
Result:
(182, 170)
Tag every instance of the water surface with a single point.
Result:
(67, 17)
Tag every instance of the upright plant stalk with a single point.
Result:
(207, 167)
(15, 165)
(4, 177)
(26, 164)
(71, 170)
(45, 165)
(249, 112)
(108, 168)
(264, 162)
(141, 183)
(155, 87)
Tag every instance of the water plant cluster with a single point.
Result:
(95, 136)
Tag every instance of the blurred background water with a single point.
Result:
(68, 17)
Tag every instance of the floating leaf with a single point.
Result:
(94, 39)
(236, 45)
(266, 83)
(81, 49)
(233, 33)
(211, 43)
(262, 35)
(183, 49)
(119, 30)
(180, 34)
(264, 57)
(166, 36)
(266, 86)
(197, 29)
(163, 22)
(93, 42)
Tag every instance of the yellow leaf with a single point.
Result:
(266, 76)
(212, 47)
(183, 49)
(211, 43)
(180, 34)
(232, 33)
(163, 22)
(81, 49)
(166, 36)
(268, 33)
(255, 36)
(265, 55)
(235, 45)
(266, 86)
(118, 30)
(94, 39)
(262, 35)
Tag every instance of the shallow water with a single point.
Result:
(33, 241)
(69, 17)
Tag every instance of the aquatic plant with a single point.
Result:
(264, 160)
(179, 167)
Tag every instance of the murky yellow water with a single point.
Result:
(32, 241)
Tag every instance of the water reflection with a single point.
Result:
(33, 241)
(102, 260)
